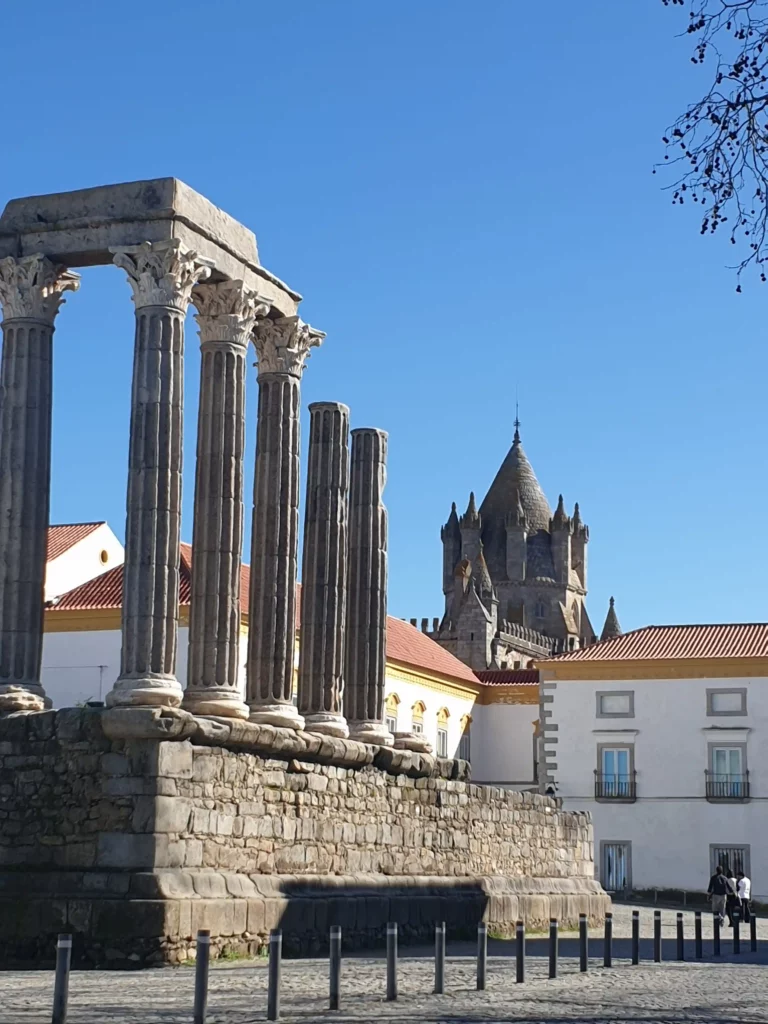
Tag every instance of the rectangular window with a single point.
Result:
(615, 865)
(616, 704)
(615, 775)
(391, 724)
(442, 743)
(732, 859)
(727, 778)
(417, 727)
(727, 702)
(464, 746)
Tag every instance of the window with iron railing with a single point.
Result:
(616, 785)
(727, 786)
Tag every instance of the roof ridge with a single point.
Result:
(88, 522)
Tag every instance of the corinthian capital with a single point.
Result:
(33, 287)
(227, 312)
(283, 345)
(162, 273)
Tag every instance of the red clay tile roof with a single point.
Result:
(509, 677)
(404, 643)
(106, 591)
(410, 646)
(63, 536)
(719, 640)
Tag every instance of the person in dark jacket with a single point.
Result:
(719, 888)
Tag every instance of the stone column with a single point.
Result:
(366, 641)
(324, 571)
(161, 276)
(226, 316)
(31, 292)
(282, 347)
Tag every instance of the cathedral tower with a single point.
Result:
(523, 570)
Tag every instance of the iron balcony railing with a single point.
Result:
(726, 787)
(612, 786)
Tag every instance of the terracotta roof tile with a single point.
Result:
(106, 591)
(718, 640)
(410, 646)
(63, 536)
(404, 643)
(509, 677)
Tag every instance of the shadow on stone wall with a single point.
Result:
(363, 911)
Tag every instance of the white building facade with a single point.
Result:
(491, 721)
(661, 734)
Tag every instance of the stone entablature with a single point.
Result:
(134, 827)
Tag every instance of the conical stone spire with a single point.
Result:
(516, 479)
(560, 518)
(611, 627)
(471, 517)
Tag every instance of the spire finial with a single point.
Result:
(516, 438)
(611, 627)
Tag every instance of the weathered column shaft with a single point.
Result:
(282, 346)
(366, 639)
(226, 316)
(162, 276)
(324, 570)
(31, 294)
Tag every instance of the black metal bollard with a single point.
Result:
(736, 931)
(553, 947)
(608, 941)
(275, 959)
(635, 936)
(697, 934)
(61, 984)
(583, 943)
(716, 935)
(482, 955)
(334, 964)
(391, 962)
(657, 936)
(753, 932)
(202, 961)
(440, 958)
(520, 952)
(680, 938)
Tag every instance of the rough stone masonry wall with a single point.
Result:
(133, 841)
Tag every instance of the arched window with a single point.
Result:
(464, 744)
(442, 732)
(391, 706)
(540, 610)
(417, 717)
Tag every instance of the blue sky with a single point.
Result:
(463, 194)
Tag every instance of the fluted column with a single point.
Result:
(226, 315)
(31, 293)
(161, 276)
(366, 640)
(324, 569)
(282, 347)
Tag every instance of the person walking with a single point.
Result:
(732, 904)
(719, 887)
(744, 892)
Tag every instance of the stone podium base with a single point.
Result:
(140, 919)
(132, 829)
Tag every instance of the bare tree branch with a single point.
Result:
(719, 146)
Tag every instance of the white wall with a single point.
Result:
(672, 824)
(409, 692)
(83, 562)
(502, 743)
(83, 665)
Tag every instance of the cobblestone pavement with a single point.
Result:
(729, 990)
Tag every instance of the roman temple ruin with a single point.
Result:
(135, 824)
